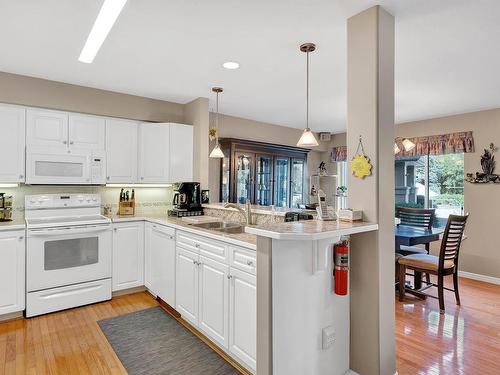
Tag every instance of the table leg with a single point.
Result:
(418, 280)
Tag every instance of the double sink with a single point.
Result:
(220, 226)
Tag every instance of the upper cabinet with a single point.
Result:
(47, 128)
(121, 151)
(12, 120)
(154, 155)
(181, 153)
(87, 132)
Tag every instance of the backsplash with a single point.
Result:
(149, 200)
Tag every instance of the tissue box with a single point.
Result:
(350, 215)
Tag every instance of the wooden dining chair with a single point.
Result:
(416, 217)
(443, 265)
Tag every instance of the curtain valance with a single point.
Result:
(338, 153)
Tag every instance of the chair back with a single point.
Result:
(416, 217)
(452, 239)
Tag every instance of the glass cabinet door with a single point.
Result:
(297, 182)
(282, 182)
(244, 176)
(264, 180)
(225, 177)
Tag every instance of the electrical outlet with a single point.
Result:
(328, 337)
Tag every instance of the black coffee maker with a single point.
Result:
(187, 199)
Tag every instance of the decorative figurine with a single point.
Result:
(322, 169)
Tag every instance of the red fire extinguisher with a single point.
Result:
(341, 267)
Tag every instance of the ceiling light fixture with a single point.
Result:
(307, 139)
(231, 65)
(105, 20)
(217, 152)
(408, 145)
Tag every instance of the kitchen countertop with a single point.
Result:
(16, 224)
(241, 239)
(262, 210)
(310, 229)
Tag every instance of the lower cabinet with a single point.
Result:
(128, 255)
(159, 262)
(12, 271)
(186, 285)
(243, 317)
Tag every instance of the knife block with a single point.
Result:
(126, 208)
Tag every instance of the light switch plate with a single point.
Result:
(328, 337)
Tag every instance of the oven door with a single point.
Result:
(69, 255)
(59, 167)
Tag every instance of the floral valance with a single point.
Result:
(338, 154)
(438, 144)
(451, 143)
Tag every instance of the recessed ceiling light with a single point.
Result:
(231, 65)
(105, 20)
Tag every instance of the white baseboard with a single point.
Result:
(483, 278)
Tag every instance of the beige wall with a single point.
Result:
(236, 127)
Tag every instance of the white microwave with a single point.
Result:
(48, 166)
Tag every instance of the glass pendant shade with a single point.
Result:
(408, 145)
(307, 139)
(217, 152)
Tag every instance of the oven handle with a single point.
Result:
(68, 230)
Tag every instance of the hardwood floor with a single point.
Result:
(465, 340)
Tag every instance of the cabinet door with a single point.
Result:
(244, 176)
(121, 151)
(148, 227)
(12, 124)
(186, 285)
(128, 255)
(213, 310)
(12, 274)
(87, 132)
(181, 153)
(46, 128)
(163, 263)
(154, 153)
(298, 170)
(264, 180)
(243, 317)
(282, 182)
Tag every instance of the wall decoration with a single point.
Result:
(360, 164)
(488, 165)
(212, 133)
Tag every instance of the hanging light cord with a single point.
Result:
(307, 91)
(217, 118)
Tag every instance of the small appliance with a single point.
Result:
(5, 207)
(187, 200)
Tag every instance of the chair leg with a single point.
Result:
(428, 278)
(441, 293)
(455, 286)
(402, 281)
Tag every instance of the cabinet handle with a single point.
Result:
(142, 178)
(197, 245)
(71, 142)
(21, 176)
(65, 142)
(20, 238)
(107, 178)
(171, 237)
(194, 262)
(249, 263)
(115, 229)
(229, 277)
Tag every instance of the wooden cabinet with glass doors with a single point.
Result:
(264, 173)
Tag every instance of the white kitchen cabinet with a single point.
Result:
(181, 153)
(213, 300)
(159, 257)
(46, 128)
(121, 151)
(12, 271)
(243, 317)
(128, 255)
(186, 285)
(87, 132)
(12, 125)
(154, 153)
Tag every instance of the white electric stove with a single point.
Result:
(68, 252)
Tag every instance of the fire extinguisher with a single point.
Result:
(341, 267)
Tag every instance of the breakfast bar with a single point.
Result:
(302, 325)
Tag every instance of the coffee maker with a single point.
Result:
(187, 200)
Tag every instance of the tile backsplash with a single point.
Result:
(149, 200)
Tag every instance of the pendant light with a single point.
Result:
(217, 152)
(408, 145)
(307, 139)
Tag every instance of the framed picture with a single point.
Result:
(205, 196)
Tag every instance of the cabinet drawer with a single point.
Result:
(243, 259)
(203, 246)
(167, 231)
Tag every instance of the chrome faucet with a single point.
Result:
(246, 213)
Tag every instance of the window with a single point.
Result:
(434, 181)
(342, 173)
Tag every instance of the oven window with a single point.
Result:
(58, 169)
(77, 252)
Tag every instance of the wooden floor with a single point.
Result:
(465, 340)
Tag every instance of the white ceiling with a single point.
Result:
(447, 53)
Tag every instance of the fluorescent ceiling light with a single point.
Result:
(231, 65)
(105, 20)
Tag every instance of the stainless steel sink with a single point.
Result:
(221, 226)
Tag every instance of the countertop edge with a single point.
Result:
(369, 227)
(11, 227)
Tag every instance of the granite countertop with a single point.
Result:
(310, 229)
(262, 210)
(241, 239)
(16, 224)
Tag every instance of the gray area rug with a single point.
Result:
(152, 342)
